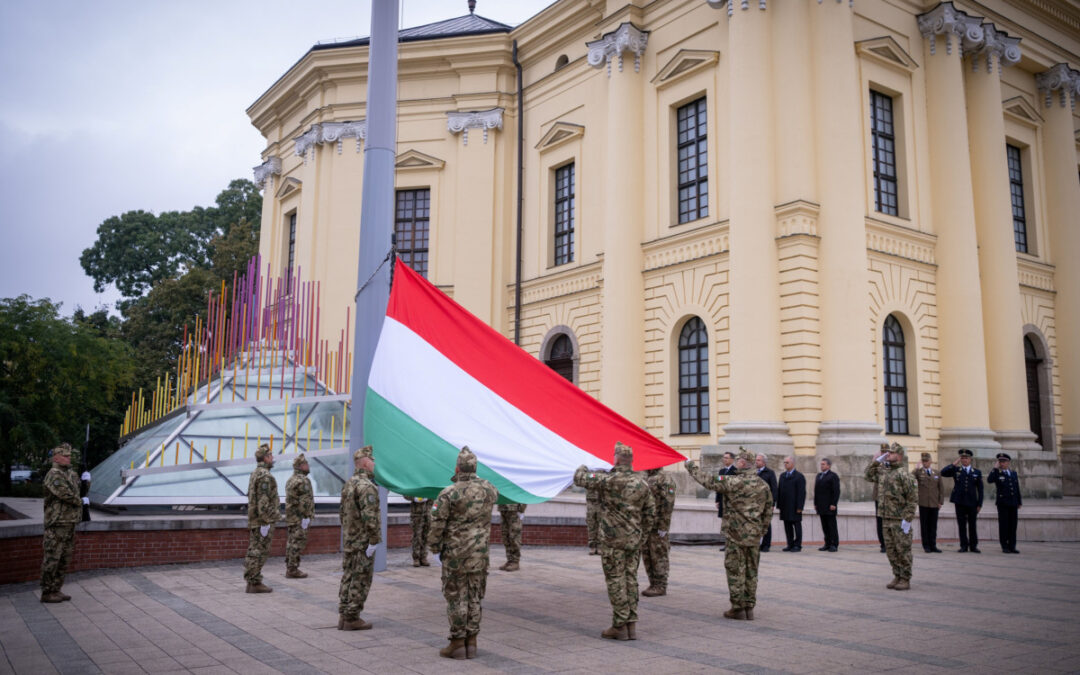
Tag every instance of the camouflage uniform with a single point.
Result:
(263, 509)
(655, 553)
(747, 512)
(592, 518)
(511, 531)
(299, 507)
(63, 510)
(460, 531)
(420, 519)
(361, 526)
(628, 514)
(898, 495)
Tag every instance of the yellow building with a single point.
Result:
(793, 225)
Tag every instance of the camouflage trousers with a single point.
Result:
(620, 573)
(421, 523)
(511, 534)
(592, 523)
(294, 546)
(655, 556)
(58, 546)
(258, 550)
(463, 592)
(897, 547)
(356, 572)
(741, 564)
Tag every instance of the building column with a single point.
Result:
(965, 420)
(1061, 87)
(622, 370)
(1006, 377)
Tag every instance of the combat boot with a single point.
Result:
(902, 585)
(470, 647)
(51, 597)
(735, 613)
(355, 624)
(341, 622)
(631, 630)
(416, 563)
(425, 563)
(295, 573)
(654, 591)
(511, 567)
(749, 611)
(63, 595)
(454, 650)
(616, 633)
(892, 584)
(258, 588)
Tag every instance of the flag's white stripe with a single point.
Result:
(435, 392)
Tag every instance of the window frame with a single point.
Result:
(697, 148)
(895, 352)
(1014, 157)
(412, 222)
(563, 209)
(692, 398)
(290, 249)
(879, 166)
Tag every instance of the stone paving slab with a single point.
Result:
(817, 613)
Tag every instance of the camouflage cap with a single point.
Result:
(898, 449)
(466, 461)
(926, 457)
(300, 459)
(622, 450)
(62, 449)
(262, 452)
(747, 456)
(366, 451)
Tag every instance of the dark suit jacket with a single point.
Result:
(967, 488)
(1008, 487)
(766, 474)
(724, 471)
(791, 495)
(826, 491)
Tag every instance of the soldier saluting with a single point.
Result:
(63, 510)
(967, 498)
(897, 497)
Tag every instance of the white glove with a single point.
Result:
(438, 559)
(304, 522)
(86, 500)
(371, 549)
(85, 476)
(661, 533)
(905, 526)
(264, 530)
(881, 459)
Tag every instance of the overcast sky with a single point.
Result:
(115, 105)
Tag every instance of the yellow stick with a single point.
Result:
(218, 450)
(148, 458)
(271, 442)
(320, 439)
(176, 455)
(190, 452)
(232, 447)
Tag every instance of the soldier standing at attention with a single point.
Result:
(63, 511)
(420, 520)
(263, 512)
(592, 519)
(931, 497)
(898, 495)
(299, 510)
(1008, 501)
(512, 516)
(361, 530)
(658, 544)
(460, 532)
(627, 515)
(967, 498)
(747, 512)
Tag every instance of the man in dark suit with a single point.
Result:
(967, 498)
(1008, 501)
(790, 498)
(931, 497)
(826, 497)
(766, 474)
(728, 469)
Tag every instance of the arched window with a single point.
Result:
(561, 357)
(896, 407)
(1032, 361)
(694, 378)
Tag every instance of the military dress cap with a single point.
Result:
(964, 452)
(926, 456)
(1005, 456)
(300, 459)
(262, 452)
(466, 461)
(366, 451)
(622, 450)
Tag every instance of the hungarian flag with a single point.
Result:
(442, 379)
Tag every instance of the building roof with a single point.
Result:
(469, 24)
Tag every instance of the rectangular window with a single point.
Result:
(883, 141)
(693, 161)
(564, 214)
(412, 216)
(1016, 191)
(292, 252)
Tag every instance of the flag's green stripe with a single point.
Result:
(412, 460)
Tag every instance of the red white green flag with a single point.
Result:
(442, 378)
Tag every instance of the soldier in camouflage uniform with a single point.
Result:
(299, 510)
(747, 512)
(361, 528)
(264, 510)
(512, 516)
(460, 530)
(898, 495)
(63, 510)
(420, 519)
(592, 519)
(627, 516)
(655, 552)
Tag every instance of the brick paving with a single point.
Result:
(817, 612)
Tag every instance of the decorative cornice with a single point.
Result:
(745, 4)
(627, 37)
(558, 134)
(887, 51)
(947, 20)
(413, 160)
(329, 132)
(797, 217)
(1018, 109)
(996, 45)
(306, 141)
(702, 242)
(266, 171)
(685, 62)
(1035, 274)
(461, 122)
(1060, 78)
(561, 283)
(900, 241)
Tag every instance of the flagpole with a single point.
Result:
(376, 221)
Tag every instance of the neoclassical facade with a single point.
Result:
(799, 226)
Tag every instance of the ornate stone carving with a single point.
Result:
(900, 241)
(306, 141)
(702, 242)
(996, 45)
(797, 217)
(335, 132)
(1035, 274)
(266, 171)
(1060, 78)
(559, 284)
(626, 37)
(461, 122)
(947, 20)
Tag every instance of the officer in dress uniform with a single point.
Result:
(1008, 501)
(967, 498)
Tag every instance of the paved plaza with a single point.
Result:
(817, 612)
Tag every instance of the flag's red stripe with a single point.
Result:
(516, 376)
